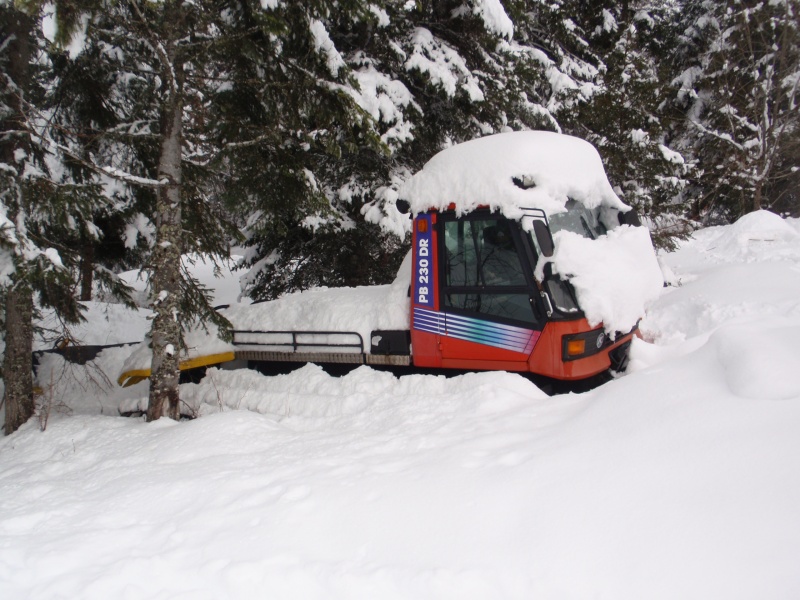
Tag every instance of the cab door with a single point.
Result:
(487, 294)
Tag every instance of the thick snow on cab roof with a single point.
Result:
(482, 172)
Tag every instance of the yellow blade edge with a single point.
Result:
(134, 376)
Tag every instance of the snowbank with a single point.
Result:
(481, 172)
(106, 324)
(360, 309)
(89, 389)
(760, 358)
(662, 484)
(753, 233)
(745, 271)
(677, 480)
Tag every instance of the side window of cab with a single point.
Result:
(483, 271)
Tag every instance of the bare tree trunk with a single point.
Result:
(87, 270)
(757, 195)
(17, 363)
(166, 334)
(17, 368)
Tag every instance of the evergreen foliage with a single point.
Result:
(625, 119)
(293, 132)
(738, 83)
(41, 207)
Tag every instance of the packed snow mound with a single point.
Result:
(363, 400)
(615, 276)
(550, 166)
(760, 358)
(106, 324)
(753, 230)
(369, 486)
(361, 309)
(762, 225)
(727, 292)
(89, 389)
(199, 341)
(749, 270)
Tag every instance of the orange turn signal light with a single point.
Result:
(422, 225)
(575, 347)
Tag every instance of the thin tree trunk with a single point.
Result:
(87, 271)
(17, 362)
(166, 334)
(757, 196)
(17, 367)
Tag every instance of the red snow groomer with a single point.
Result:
(523, 259)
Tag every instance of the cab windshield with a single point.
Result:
(578, 219)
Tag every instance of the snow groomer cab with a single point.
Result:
(525, 259)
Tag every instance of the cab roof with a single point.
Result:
(511, 171)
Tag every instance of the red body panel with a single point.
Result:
(546, 358)
(425, 349)
(455, 349)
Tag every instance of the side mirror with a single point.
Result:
(543, 237)
(629, 218)
(403, 206)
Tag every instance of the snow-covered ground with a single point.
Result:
(680, 479)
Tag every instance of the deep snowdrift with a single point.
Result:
(678, 480)
(360, 309)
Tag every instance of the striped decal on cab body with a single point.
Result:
(488, 333)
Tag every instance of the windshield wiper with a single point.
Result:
(586, 228)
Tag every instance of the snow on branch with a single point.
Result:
(494, 17)
(443, 65)
(112, 172)
(248, 143)
(325, 46)
(725, 137)
(158, 47)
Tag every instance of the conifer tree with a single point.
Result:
(84, 120)
(427, 74)
(738, 83)
(308, 141)
(214, 89)
(38, 204)
(164, 65)
(625, 118)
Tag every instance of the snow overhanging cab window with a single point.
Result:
(579, 219)
(483, 272)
